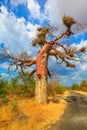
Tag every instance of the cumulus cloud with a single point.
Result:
(5, 75)
(4, 65)
(33, 7)
(81, 44)
(53, 11)
(15, 32)
(35, 10)
(56, 9)
(83, 67)
(77, 47)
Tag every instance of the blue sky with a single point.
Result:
(19, 20)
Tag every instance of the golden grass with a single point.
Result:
(30, 115)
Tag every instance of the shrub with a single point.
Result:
(51, 90)
(5, 101)
(60, 89)
(55, 88)
(84, 89)
(75, 86)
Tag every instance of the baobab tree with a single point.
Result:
(47, 48)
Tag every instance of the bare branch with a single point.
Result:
(60, 36)
(19, 62)
(52, 53)
(70, 64)
(61, 45)
(49, 73)
(60, 54)
(32, 72)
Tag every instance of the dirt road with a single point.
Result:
(75, 116)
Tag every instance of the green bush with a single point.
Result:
(5, 101)
(75, 86)
(2, 87)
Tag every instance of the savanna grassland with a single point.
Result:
(20, 111)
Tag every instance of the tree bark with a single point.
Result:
(41, 77)
(41, 90)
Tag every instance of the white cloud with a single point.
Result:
(4, 10)
(32, 29)
(53, 11)
(83, 67)
(56, 9)
(32, 6)
(80, 45)
(4, 65)
(5, 75)
(15, 32)
(35, 10)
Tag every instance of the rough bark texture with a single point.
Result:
(41, 77)
(41, 90)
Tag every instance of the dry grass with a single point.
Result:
(30, 115)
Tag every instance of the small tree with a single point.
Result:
(23, 84)
(75, 86)
(47, 48)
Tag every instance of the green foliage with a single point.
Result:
(2, 87)
(82, 86)
(5, 100)
(27, 84)
(60, 89)
(75, 86)
(21, 85)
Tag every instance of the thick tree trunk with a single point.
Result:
(41, 77)
(41, 90)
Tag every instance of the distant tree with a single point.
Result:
(47, 48)
(2, 86)
(83, 85)
(75, 86)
